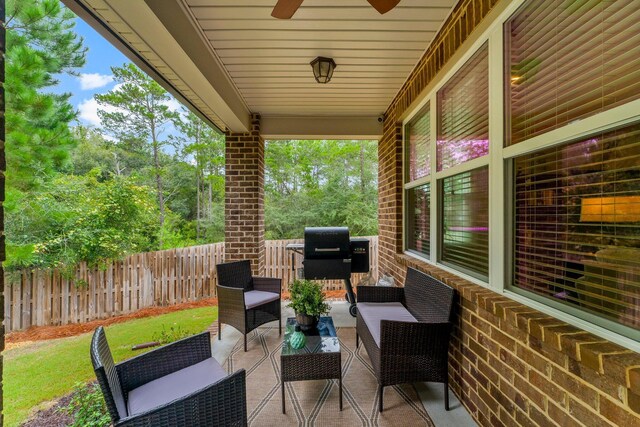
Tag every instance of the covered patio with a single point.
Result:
(509, 143)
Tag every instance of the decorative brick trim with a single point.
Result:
(244, 197)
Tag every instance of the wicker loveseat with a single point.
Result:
(406, 331)
(179, 384)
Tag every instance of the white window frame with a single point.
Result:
(497, 160)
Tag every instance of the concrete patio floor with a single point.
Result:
(431, 394)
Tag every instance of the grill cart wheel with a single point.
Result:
(352, 310)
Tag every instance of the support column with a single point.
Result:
(244, 197)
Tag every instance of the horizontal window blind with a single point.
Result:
(577, 224)
(418, 143)
(463, 113)
(465, 221)
(567, 60)
(418, 217)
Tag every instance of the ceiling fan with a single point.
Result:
(285, 9)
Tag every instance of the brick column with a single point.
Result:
(244, 197)
(390, 196)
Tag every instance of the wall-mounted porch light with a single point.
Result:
(323, 69)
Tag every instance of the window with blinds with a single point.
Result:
(417, 136)
(418, 216)
(418, 143)
(465, 222)
(577, 224)
(463, 113)
(567, 60)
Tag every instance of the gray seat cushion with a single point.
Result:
(255, 298)
(373, 312)
(174, 386)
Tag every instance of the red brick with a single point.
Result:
(587, 416)
(633, 379)
(633, 400)
(547, 387)
(591, 354)
(616, 414)
(574, 386)
(561, 417)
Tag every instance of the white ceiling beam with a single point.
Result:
(321, 127)
(183, 37)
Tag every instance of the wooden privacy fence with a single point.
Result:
(47, 297)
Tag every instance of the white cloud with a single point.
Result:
(89, 111)
(173, 104)
(94, 80)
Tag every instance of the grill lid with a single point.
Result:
(326, 243)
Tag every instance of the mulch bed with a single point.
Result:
(53, 416)
(40, 333)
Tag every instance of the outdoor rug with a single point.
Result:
(316, 403)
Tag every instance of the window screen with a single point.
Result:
(577, 224)
(463, 113)
(566, 60)
(418, 214)
(465, 222)
(418, 143)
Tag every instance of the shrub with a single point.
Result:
(87, 406)
(174, 333)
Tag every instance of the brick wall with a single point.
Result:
(510, 365)
(244, 197)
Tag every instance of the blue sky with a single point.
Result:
(95, 77)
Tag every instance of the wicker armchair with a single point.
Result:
(246, 302)
(406, 331)
(179, 384)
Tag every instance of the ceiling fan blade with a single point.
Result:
(383, 6)
(285, 9)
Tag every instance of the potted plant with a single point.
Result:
(308, 302)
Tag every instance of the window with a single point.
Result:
(417, 135)
(463, 113)
(576, 205)
(577, 224)
(569, 60)
(465, 217)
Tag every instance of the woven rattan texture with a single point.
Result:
(410, 351)
(220, 404)
(231, 308)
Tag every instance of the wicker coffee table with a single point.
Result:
(319, 359)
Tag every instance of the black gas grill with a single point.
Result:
(330, 254)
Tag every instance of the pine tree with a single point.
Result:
(140, 116)
(41, 44)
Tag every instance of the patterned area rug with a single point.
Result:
(315, 403)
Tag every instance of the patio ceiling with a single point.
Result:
(229, 58)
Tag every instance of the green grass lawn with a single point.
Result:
(46, 370)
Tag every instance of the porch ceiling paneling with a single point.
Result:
(266, 61)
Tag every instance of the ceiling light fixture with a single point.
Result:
(323, 69)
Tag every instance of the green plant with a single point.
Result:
(307, 298)
(87, 406)
(174, 333)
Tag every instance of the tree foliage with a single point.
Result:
(320, 183)
(41, 43)
(149, 177)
